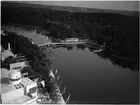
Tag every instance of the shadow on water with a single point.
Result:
(81, 46)
(124, 63)
(68, 47)
(131, 64)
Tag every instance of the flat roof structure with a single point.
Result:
(18, 93)
(17, 65)
(4, 82)
(27, 81)
(20, 100)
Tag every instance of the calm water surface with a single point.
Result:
(88, 77)
(91, 79)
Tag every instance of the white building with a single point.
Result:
(16, 89)
(17, 65)
(71, 40)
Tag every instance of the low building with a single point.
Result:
(71, 40)
(16, 89)
(17, 65)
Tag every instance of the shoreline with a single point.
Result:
(45, 70)
(52, 79)
(27, 27)
(61, 99)
(114, 53)
(124, 58)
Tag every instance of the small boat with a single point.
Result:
(96, 51)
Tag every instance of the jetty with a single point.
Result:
(59, 43)
(96, 51)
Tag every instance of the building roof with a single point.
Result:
(17, 65)
(6, 87)
(13, 71)
(4, 82)
(20, 100)
(27, 81)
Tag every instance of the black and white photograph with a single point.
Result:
(69, 52)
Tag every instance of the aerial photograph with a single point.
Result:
(69, 52)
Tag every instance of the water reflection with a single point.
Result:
(80, 46)
(69, 47)
(91, 78)
(132, 65)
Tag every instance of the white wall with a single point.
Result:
(31, 86)
(18, 64)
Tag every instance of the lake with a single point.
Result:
(89, 77)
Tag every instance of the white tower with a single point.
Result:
(14, 77)
(9, 46)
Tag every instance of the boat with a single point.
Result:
(96, 51)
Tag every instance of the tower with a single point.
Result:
(9, 46)
(14, 77)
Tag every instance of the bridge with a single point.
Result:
(59, 43)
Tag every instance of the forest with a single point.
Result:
(39, 63)
(119, 32)
(22, 45)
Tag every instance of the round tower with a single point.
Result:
(14, 77)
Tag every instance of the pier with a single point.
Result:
(59, 43)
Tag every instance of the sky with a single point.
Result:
(117, 5)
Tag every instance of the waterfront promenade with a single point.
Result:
(62, 43)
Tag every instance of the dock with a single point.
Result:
(59, 43)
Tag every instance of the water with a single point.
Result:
(89, 77)
(38, 38)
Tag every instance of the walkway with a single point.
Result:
(56, 43)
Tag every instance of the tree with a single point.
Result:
(8, 61)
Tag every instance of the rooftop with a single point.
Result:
(20, 100)
(27, 81)
(6, 87)
(4, 82)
